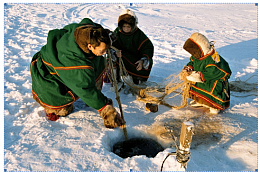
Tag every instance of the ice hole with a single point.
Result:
(137, 146)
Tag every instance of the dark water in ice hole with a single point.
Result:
(137, 146)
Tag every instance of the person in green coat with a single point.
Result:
(71, 66)
(210, 73)
(136, 48)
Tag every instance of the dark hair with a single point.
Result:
(98, 35)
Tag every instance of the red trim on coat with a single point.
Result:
(148, 59)
(99, 110)
(217, 67)
(191, 67)
(214, 85)
(207, 100)
(205, 56)
(69, 67)
(73, 97)
(210, 94)
(32, 63)
(101, 74)
(132, 63)
(137, 75)
(202, 77)
(54, 107)
(142, 43)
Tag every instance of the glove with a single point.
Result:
(111, 117)
(127, 79)
(146, 62)
(113, 55)
(194, 77)
(110, 101)
(185, 72)
(143, 63)
(187, 68)
(113, 36)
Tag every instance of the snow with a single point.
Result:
(80, 142)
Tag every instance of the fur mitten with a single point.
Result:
(111, 118)
(194, 77)
(146, 62)
(185, 72)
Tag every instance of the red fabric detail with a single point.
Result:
(202, 77)
(103, 107)
(52, 116)
(191, 67)
(106, 78)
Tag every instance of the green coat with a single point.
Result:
(61, 72)
(215, 77)
(134, 46)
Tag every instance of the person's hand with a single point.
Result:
(194, 77)
(183, 74)
(111, 117)
(119, 120)
(139, 64)
(186, 71)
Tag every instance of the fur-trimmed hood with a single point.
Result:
(198, 45)
(129, 17)
(86, 34)
(82, 37)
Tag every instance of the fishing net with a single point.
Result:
(243, 86)
(173, 91)
(169, 92)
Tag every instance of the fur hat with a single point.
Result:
(198, 45)
(129, 17)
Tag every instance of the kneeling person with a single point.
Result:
(210, 72)
(71, 66)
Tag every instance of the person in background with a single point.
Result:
(210, 73)
(71, 66)
(136, 48)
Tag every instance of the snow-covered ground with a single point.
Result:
(80, 142)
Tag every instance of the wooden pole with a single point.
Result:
(186, 135)
(187, 129)
(117, 94)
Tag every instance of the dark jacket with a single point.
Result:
(134, 46)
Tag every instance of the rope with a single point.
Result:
(173, 153)
(124, 74)
(243, 86)
(182, 156)
(143, 91)
(117, 94)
